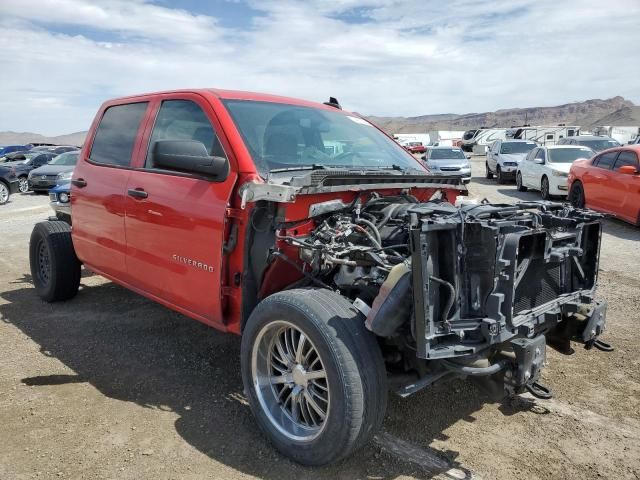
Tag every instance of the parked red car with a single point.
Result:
(609, 182)
(415, 147)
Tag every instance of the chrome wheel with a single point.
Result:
(4, 194)
(290, 381)
(23, 185)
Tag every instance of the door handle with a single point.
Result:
(79, 182)
(137, 193)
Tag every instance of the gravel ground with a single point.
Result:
(111, 385)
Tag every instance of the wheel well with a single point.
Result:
(2, 180)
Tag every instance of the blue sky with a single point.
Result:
(383, 57)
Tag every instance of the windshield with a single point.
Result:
(446, 153)
(281, 136)
(598, 145)
(569, 155)
(517, 147)
(68, 158)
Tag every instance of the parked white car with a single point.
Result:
(504, 156)
(547, 169)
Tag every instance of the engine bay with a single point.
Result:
(440, 284)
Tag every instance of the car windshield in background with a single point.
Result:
(517, 147)
(281, 136)
(569, 155)
(446, 153)
(598, 145)
(67, 159)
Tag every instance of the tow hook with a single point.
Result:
(539, 391)
(599, 344)
(530, 354)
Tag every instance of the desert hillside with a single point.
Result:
(613, 111)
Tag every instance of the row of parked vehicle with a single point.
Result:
(590, 171)
(34, 167)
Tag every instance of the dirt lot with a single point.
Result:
(111, 385)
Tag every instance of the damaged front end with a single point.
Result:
(477, 290)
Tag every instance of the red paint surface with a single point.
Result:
(134, 242)
(609, 191)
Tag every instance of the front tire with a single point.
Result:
(576, 195)
(23, 184)
(500, 175)
(5, 193)
(488, 173)
(313, 374)
(55, 268)
(519, 185)
(544, 188)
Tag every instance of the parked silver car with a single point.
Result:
(450, 161)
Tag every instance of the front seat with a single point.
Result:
(281, 145)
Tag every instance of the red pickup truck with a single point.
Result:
(344, 265)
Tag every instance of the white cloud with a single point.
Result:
(130, 17)
(403, 58)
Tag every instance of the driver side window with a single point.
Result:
(531, 155)
(541, 155)
(40, 160)
(183, 120)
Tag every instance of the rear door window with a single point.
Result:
(117, 133)
(606, 160)
(626, 158)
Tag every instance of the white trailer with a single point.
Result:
(485, 137)
(404, 138)
(445, 137)
(623, 135)
(544, 135)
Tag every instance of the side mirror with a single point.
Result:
(539, 161)
(468, 157)
(628, 170)
(189, 156)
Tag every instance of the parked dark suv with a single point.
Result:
(33, 159)
(8, 183)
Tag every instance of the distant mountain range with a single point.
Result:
(20, 138)
(615, 111)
